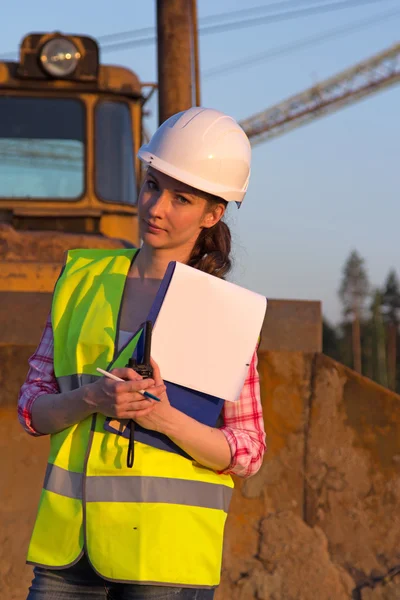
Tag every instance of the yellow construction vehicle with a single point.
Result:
(70, 129)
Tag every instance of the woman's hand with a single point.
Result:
(121, 399)
(206, 445)
(162, 413)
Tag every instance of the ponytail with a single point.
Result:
(212, 249)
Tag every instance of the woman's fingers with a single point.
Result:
(131, 375)
(140, 409)
(156, 372)
(157, 390)
(139, 405)
(131, 397)
(129, 387)
(126, 374)
(124, 399)
(128, 407)
(136, 398)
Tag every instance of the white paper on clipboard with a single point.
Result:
(206, 332)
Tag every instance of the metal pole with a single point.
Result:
(196, 54)
(174, 53)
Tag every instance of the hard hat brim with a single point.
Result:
(189, 178)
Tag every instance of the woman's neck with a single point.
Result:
(152, 262)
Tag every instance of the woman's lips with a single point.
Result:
(153, 228)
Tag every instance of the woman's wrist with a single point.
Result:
(89, 398)
(172, 422)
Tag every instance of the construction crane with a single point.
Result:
(367, 77)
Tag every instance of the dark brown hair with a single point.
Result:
(211, 252)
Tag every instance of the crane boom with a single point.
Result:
(367, 77)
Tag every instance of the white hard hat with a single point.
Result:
(205, 149)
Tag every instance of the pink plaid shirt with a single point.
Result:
(243, 420)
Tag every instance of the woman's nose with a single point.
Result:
(158, 204)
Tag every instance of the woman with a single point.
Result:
(154, 531)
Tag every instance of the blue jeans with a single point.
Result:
(80, 582)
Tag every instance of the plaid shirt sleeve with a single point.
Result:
(40, 379)
(244, 427)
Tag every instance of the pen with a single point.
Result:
(111, 376)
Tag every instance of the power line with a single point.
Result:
(288, 48)
(129, 33)
(212, 18)
(150, 31)
(294, 14)
(222, 27)
(260, 8)
(272, 18)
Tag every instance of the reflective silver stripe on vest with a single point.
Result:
(158, 489)
(67, 383)
(63, 482)
(138, 489)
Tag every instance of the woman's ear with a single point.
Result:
(214, 215)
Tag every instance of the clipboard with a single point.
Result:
(205, 331)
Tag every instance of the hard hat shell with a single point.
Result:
(203, 148)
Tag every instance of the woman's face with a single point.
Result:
(171, 214)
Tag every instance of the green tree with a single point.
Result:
(353, 292)
(344, 333)
(391, 309)
(368, 354)
(330, 340)
(379, 340)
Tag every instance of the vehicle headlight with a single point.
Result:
(59, 57)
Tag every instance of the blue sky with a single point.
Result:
(316, 192)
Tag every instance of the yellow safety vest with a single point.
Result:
(162, 521)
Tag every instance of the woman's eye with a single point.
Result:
(182, 200)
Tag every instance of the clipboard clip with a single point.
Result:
(144, 368)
